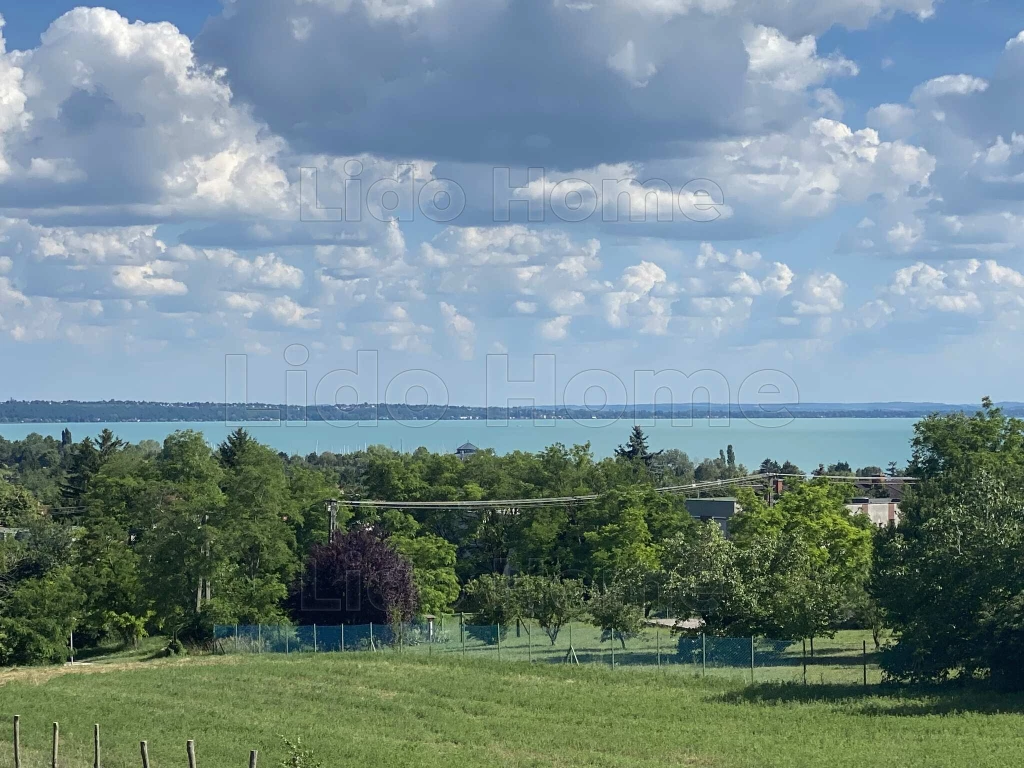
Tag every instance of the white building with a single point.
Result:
(881, 511)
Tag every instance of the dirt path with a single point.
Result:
(40, 675)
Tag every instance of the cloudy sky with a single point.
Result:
(831, 188)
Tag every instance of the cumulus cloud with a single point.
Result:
(968, 123)
(789, 65)
(109, 114)
(971, 287)
(555, 329)
(819, 294)
(149, 280)
(113, 133)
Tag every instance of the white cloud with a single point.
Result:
(105, 113)
(460, 328)
(819, 294)
(555, 329)
(971, 287)
(791, 66)
(151, 279)
(949, 85)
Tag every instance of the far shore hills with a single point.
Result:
(121, 411)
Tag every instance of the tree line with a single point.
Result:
(177, 537)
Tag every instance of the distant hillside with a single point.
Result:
(74, 411)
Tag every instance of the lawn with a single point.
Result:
(845, 658)
(392, 710)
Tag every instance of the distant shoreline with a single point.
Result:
(100, 412)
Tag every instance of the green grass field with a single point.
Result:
(842, 659)
(390, 709)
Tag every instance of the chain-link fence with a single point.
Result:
(845, 659)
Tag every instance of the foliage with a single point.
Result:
(298, 756)
(357, 578)
(493, 601)
(433, 562)
(552, 602)
(615, 614)
(791, 570)
(127, 627)
(950, 579)
(174, 538)
(37, 618)
(636, 448)
(704, 579)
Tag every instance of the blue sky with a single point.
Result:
(864, 158)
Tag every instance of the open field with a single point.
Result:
(388, 709)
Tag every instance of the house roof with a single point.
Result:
(467, 447)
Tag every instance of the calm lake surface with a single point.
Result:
(807, 442)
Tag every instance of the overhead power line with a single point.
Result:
(554, 501)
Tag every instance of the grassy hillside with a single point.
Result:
(389, 710)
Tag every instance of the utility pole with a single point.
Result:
(332, 514)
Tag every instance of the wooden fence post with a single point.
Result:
(190, 748)
(96, 746)
(751, 659)
(657, 635)
(144, 749)
(56, 745)
(17, 741)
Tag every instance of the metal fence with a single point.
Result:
(842, 660)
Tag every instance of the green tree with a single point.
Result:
(37, 618)
(622, 548)
(255, 545)
(553, 602)
(636, 448)
(107, 574)
(806, 559)
(16, 503)
(433, 561)
(493, 601)
(178, 533)
(704, 580)
(950, 578)
(613, 612)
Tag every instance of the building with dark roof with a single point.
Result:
(466, 450)
(717, 510)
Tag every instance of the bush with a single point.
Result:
(174, 648)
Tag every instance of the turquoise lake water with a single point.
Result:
(807, 442)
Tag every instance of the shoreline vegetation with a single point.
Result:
(129, 411)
